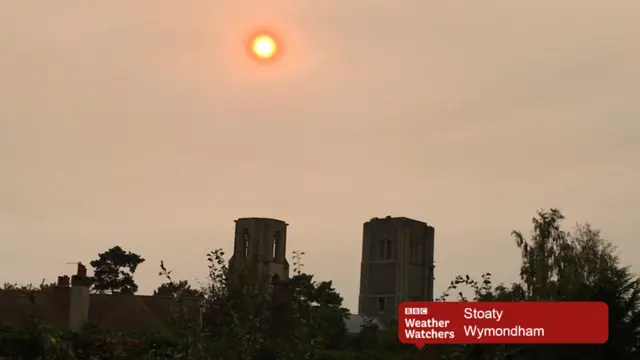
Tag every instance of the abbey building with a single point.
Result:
(397, 265)
(260, 246)
(397, 259)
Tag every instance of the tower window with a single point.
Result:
(414, 250)
(245, 240)
(275, 246)
(390, 253)
(382, 304)
(381, 248)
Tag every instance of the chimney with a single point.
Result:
(63, 282)
(82, 270)
(79, 299)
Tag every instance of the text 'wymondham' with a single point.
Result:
(516, 331)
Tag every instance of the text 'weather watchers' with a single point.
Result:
(423, 323)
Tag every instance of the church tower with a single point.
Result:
(397, 265)
(260, 247)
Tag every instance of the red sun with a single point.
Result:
(264, 47)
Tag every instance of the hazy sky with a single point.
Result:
(144, 124)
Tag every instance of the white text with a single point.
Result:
(517, 331)
(470, 313)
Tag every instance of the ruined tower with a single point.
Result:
(397, 265)
(260, 246)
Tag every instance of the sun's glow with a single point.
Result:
(264, 46)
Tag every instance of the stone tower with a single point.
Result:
(260, 246)
(397, 265)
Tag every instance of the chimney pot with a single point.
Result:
(63, 281)
(82, 270)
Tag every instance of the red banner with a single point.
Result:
(423, 323)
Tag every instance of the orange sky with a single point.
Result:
(145, 124)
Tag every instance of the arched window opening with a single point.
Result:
(275, 245)
(414, 250)
(245, 239)
(381, 248)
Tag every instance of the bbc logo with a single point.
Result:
(416, 311)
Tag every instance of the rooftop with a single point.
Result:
(260, 219)
(113, 312)
(399, 218)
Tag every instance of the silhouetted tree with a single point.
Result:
(320, 308)
(113, 271)
(250, 315)
(181, 287)
(44, 285)
(580, 266)
(558, 265)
